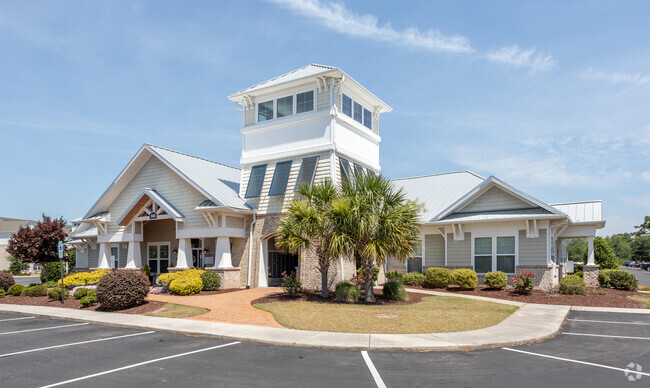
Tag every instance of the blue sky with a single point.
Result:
(551, 97)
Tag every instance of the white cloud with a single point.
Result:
(645, 175)
(337, 17)
(530, 59)
(616, 78)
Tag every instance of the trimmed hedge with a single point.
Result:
(413, 279)
(464, 278)
(2, 293)
(347, 292)
(88, 300)
(496, 280)
(437, 277)
(603, 278)
(55, 293)
(186, 285)
(166, 279)
(35, 291)
(211, 281)
(623, 280)
(395, 291)
(572, 284)
(6, 281)
(84, 278)
(16, 289)
(122, 289)
(80, 293)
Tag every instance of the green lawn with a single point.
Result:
(171, 310)
(642, 299)
(432, 315)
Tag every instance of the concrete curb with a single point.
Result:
(531, 323)
(611, 310)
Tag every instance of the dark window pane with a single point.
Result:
(305, 102)
(358, 170)
(255, 181)
(164, 251)
(153, 266)
(164, 264)
(153, 251)
(367, 118)
(196, 243)
(371, 173)
(280, 178)
(285, 106)
(307, 171)
(347, 105)
(505, 245)
(483, 245)
(357, 112)
(506, 264)
(345, 169)
(265, 111)
(482, 264)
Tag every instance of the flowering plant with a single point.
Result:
(291, 284)
(523, 282)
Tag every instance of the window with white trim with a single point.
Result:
(286, 106)
(265, 111)
(305, 102)
(356, 111)
(495, 253)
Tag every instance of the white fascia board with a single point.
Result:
(283, 85)
(367, 94)
(353, 156)
(224, 209)
(283, 155)
(536, 217)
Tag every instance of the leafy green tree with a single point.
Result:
(16, 266)
(577, 250)
(308, 225)
(644, 228)
(604, 255)
(373, 221)
(641, 248)
(620, 243)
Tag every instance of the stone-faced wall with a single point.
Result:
(543, 275)
(310, 276)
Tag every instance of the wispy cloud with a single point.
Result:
(616, 78)
(340, 19)
(529, 59)
(337, 17)
(645, 175)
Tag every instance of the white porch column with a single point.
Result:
(563, 245)
(222, 256)
(184, 259)
(590, 251)
(134, 257)
(104, 252)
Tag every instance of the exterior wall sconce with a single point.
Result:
(206, 250)
(175, 250)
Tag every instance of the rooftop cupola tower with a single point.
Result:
(307, 125)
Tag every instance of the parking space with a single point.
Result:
(595, 349)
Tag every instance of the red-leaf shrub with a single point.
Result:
(6, 281)
(122, 289)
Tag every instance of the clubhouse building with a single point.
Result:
(172, 211)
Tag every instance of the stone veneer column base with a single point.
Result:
(590, 275)
(543, 275)
(230, 277)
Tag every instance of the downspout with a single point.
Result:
(250, 250)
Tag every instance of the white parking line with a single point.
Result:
(618, 323)
(373, 370)
(16, 319)
(74, 343)
(137, 365)
(577, 361)
(607, 336)
(43, 328)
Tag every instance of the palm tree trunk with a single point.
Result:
(323, 285)
(368, 284)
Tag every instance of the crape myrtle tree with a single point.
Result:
(308, 225)
(373, 221)
(38, 244)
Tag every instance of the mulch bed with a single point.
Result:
(72, 303)
(609, 297)
(314, 296)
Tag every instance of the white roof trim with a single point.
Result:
(483, 187)
(159, 200)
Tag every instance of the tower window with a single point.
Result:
(265, 111)
(357, 112)
(305, 102)
(285, 106)
(367, 118)
(307, 172)
(255, 181)
(280, 178)
(347, 105)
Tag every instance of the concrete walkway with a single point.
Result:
(231, 307)
(532, 322)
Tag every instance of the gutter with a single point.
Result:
(250, 250)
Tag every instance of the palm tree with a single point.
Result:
(308, 225)
(373, 221)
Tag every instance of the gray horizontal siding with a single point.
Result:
(459, 252)
(532, 251)
(434, 250)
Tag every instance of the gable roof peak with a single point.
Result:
(149, 145)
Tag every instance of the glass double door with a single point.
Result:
(158, 258)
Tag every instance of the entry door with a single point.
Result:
(197, 252)
(115, 257)
(279, 262)
(158, 258)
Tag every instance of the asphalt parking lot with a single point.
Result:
(642, 276)
(595, 349)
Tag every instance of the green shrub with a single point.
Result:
(375, 272)
(572, 284)
(603, 278)
(6, 281)
(166, 279)
(623, 280)
(35, 291)
(211, 281)
(347, 292)
(51, 284)
(186, 285)
(413, 279)
(524, 282)
(122, 289)
(53, 271)
(2, 293)
(16, 266)
(92, 292)
(88, 300)
(55, 293)
(437, 277)
(464, 278)
(16, 290)
(84, 278)
(80, 293)
(577, 267)
(579, 274)
(291, 284)
(146, 270)
(393, 276)
(395, 291)
(496, 280)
